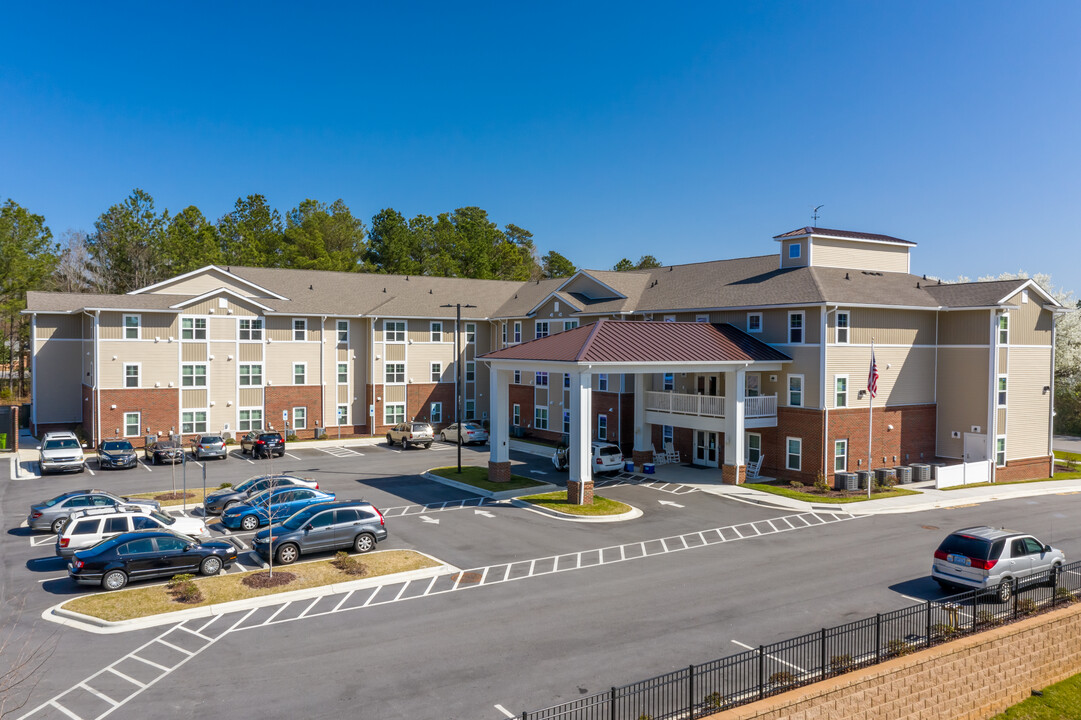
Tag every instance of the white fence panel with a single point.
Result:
(963, 474)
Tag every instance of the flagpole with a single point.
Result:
(870, 420)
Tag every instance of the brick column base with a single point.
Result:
(499, 471)
(734, 474)
(574, 488)
(641, 457)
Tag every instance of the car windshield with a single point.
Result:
(116, 446)
(966, 545)
(270, 436)
(608, 451)
(62, 444)
(209, 440)
(247, 484)
(297, 521)
(163, 518)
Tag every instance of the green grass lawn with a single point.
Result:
(1061, 701)
(558, 501)
(1063, 455)
(834, 497)
(478, 478)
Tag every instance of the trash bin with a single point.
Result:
(629, 466)
(648, 468)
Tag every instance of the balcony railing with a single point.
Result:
(760, 406)
(708, 405)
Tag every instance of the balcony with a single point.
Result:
(759, 406)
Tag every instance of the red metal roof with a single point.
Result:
(609, 341)
(804, 231)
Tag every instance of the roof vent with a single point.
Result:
(925, 276)
(940, 281)
(384, 289)
(429, 291)
(846, 277)
(310, 287)
(917, 284)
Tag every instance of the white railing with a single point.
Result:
(708, 405)
(760, 406)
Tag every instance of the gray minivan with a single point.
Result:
(986, 558)
(326, 526)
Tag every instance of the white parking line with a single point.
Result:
(90, 471)
(101, 695)
(772, 657)
(58, 577)
(292, 456)
(64, 710)
(131, 680)
(146, 466)
(506, 713)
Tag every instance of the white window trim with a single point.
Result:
(470, 369)
(304, 367)
(999, 329)
(138, 424)
(303, 329)
(569, 325)
(538, 375)
(795, 251)
(195, 423)
(206, 375)
(262, 378)
(470, 409)
(665, 383)
(516, 337)
(387, 331)
(1003, 439)
(435, 331)
(139, 378)
(293, 417)
(470, 333)
(1024, 296)
(435, 412)
(848, 390)
(517, 377)
(194, 330)
(751, 315)
(844, 455)
(668, 434)
(337, 414)
(504, 326)
(431, 371)
(249, 410)
(386, 370)
(799, 455)
(537, 417)
(748, 445)
(847, 328)
(516, 414)
(602, 382)
(1002, 397)
(537, 329)
(338, 331)
(124, 326)
(788, 390)
(338, 372)
(802, 324)
(251, 329)
(602, 426)
(389, 419)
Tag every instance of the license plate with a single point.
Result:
(959, 560)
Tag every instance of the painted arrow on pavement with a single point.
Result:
(669, 502)
(485, 513)
(427, 519)
(538, 472)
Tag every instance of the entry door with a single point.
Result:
(708, 385)
(753, 385)
(705, 448)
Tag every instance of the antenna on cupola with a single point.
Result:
(814, 216)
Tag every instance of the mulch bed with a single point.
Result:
(812, 490)
(173, 496)
(265, 580)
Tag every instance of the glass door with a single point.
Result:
(705, 448)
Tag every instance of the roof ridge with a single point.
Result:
(676, 265)
(817, 284)
(589, 340)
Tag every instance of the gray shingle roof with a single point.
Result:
(849, 234)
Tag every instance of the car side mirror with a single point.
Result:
(189, 548)
(38, 447)
(1047, 548)
(307, 527)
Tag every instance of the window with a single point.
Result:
(470, 371)
(251, 374)
(566, 380)
(504, 326)
(300, 373)
(394, 331)
(840, 455)
(1003, 329)
(437, 332)
(795, 327)
(193, 421)
(393, 414)
(517, 332)
(1002, 391)
(300, 329)
(470, 333)
(250, 419)
(795, 390)
(470, 409)
(343, 373)
(435, 413)
(542, 379)
(1024, 296)
(342, 414)
(517, 377)
(794, 251)
(602, 427)
(132, 327)
(436, 372)
(701, 318)
(516, 414)
(193, 329)
(753, 450)
(116, 525)
(667, 434)
(1000, 451)
(193, 375)
(394, 373)
(792, 461)
(669, 318)
(566, 421)
(540, 418)
(669, 381)
(570, 324)
(300, 418)
(132, 422)
(251, 329)
(754, 322)
(840, 391)
(602, 382)
(542, 328)
(343, 331)
(842, 328)
(752, 385)
(131, 375)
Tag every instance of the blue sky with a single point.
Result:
(689, 131)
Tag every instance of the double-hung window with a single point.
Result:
(1001, 391)
(343, 331)
(517, 377)
(793, 456)
(300, 329)
(393, 414)
(602, 383)
(516, 414)
(602, 427)
(1004, 329)
(754, 322)
(540, 418)
(193, 375)
(193, 421)
(435, 413)
(570, 324)
(470, 371)
(343, 414)
(394, 373)
(251, 329)
(542, 328)
(193, 328)
(517, 332)
(300, 373)
(394, 331)
(842, 328)
(542, 379)
(840, 455)
(343, 373)
(436, 372)
(795, 326)
(251, 374)
(437, 332)
(132, 327)
(669, 381)
(504, 326)
(470, 333)
(795, 390)
(1000, 451)
(470, 409)
(131, 375)
(250, 419)
(131, 424)
(840, 391)
(300, 418)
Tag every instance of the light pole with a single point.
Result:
(458, 375)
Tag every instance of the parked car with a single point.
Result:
(60, 452)
(52, 514)
(411, 433)
(329, 526)
(116, 454)
(145, 554)
(86, 528)
(605, 457)
(281, 502)
(261, 443)
(221, 500)
(987, 558)
(470, 433)
(208, 446)
(164, 451)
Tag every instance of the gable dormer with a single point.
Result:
(206, 279)
(585, 286)
(822, 247)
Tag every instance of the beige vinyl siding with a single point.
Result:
(421, 356)
(589, 287)
(909, 379)
(250, 352)
(774, 322)
(964, 327)
(394, 394)
(59, 385)
(344, 396)
(887, 327)
(60, 327)
(806, 363)
(206, 282)
(158, 363)
(193, 351)
(221, 374)
(801, 261)
(859, 255)
(420, 331)
(239, 308)
(278, 366)
(1027, 404)
(88, 326)
(221, 328)
(152, 325)
(1030, 323)
(1001, 420)
(963, 387)
(251, 397)
(548, 311)
(279, 329)
(196, 399)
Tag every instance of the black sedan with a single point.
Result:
(164, 451)
(116, 454)
(145, 554)
(220, 500)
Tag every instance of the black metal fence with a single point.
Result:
(700, 690)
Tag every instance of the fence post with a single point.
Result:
(690, 691)
(761, 671)
(1013, 582)
(975, 608)
(612, 704)
(878, 637)
(822, 641)
(928, 624)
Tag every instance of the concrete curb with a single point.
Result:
(531, 448)
(633, 514)
(62, 616)
(502, 495)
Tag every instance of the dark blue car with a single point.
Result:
(272, 506)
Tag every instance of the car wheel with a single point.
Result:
(211, 566)
(58, 525)
(1004, 591)
(114, 580)
(442, 437)
(390, 440)
(288, 554)
(364, 542)
(281, 454)
(427, 446)
(405, 444)
(250, 522)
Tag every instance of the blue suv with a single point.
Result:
(272, 506)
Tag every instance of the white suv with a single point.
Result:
(606, 457)
(86, 528)
(60, 452)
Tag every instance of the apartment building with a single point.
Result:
(966, 370)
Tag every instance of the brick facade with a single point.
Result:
(733, 474)
(418, 400)
(286, 397)
(159, 410)
(574, 489)
(499, 471)
(1027, 469)
(912, 439)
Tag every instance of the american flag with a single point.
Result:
(872, 376)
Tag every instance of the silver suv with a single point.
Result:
(986, 558)
(60, 452)
(411, 433)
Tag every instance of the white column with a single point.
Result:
(735, 385)
(581, 410)
(641, 437)
(499, 409)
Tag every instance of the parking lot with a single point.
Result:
(546, 609)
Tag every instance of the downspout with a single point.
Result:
(96, 392)
(822, 386)
(371, 354)
(33, 372)
(992, 402)
(1051, 411)
(322, 358)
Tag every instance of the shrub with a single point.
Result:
(782, 678)
(714, 700)
(898, 648)
(988, 618)
(176, 580)
(1026, 606)
(820, 482)
(183, 588)
(230, 441)
(348, 564)
(795, 483)
(943, 631)
(225, 485)
(291, 437)
(841, 664)
(1064, 595)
